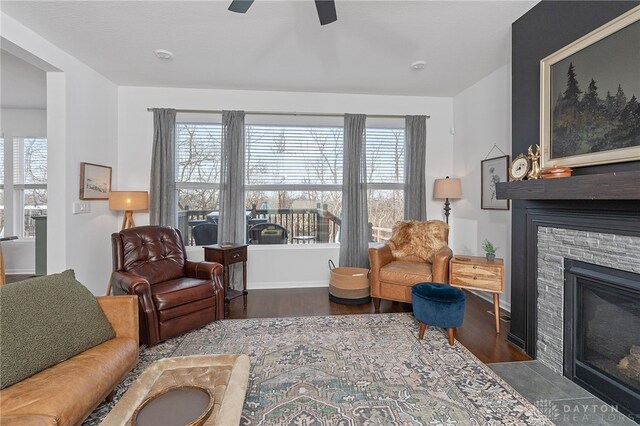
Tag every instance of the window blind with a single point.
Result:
(385, 156)
(29, 162)
(293, 155)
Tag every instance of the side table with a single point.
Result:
(477, 273)
(228, 255)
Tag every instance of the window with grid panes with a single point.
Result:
(198, 149)
(29, 182)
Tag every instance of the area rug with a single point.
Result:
(351, 370)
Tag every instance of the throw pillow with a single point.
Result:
(419, 239)
(46, 320)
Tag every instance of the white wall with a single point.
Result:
(19, 256)
(81, 126)
(482, 117)
(277, 266)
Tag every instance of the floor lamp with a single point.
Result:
(447, 188)
(127, 201)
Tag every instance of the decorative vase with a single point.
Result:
(491, 257)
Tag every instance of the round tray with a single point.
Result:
(177, 405)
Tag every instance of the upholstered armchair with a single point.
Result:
(416, 252)
(175, 295)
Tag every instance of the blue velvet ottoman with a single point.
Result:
(438, 305)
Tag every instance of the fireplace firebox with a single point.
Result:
(602, 332)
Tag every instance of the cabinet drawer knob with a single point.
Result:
(475, 267)
(235, 255)
(475, 278)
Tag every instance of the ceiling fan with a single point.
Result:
(326, 9)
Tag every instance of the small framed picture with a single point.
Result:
(95, 181)
(494, 170)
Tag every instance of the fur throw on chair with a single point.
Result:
(419, 239)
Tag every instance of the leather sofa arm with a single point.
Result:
(28, 419)
(378, 257)
(440, 266)
(203, 270)
(122, 313)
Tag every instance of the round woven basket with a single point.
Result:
(349, 286)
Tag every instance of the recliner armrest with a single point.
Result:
(203, 270)
(440, 266)
(128, 283)
(209, 271)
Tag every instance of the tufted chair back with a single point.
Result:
(154, 252)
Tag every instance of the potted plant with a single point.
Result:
(489, 249)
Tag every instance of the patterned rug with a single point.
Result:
(351, 370)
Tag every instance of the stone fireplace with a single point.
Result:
(588, 310)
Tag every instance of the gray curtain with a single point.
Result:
(163, 208)
(231, 226)
(231, 221)
(354, 231)
(415, 155)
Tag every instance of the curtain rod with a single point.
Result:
(295, 114)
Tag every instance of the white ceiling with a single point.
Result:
(279, 45)
(22, 85)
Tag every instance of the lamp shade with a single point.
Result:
(128, 200)
(447, 188)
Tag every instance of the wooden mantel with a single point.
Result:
(606, 186)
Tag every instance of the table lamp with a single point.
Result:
(128, 201)
(448, 189)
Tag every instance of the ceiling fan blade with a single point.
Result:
(240, 6)
(326, 11)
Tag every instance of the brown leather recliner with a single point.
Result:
(175, 295)
(392, 277)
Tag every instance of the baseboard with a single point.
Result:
(20, 271)
(504, 306)
(291, 284)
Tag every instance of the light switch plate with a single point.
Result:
(80, 207)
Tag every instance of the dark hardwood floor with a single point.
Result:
(477, 334)
(14, 278)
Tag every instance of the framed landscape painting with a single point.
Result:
(493, 171)
(589, 90)
(95, 181)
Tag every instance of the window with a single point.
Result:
(29, 182)
(293, 176)
(198, 147)
(385, 179)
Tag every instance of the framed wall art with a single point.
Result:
(493, 171)
(95, 181)
(589, 90)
